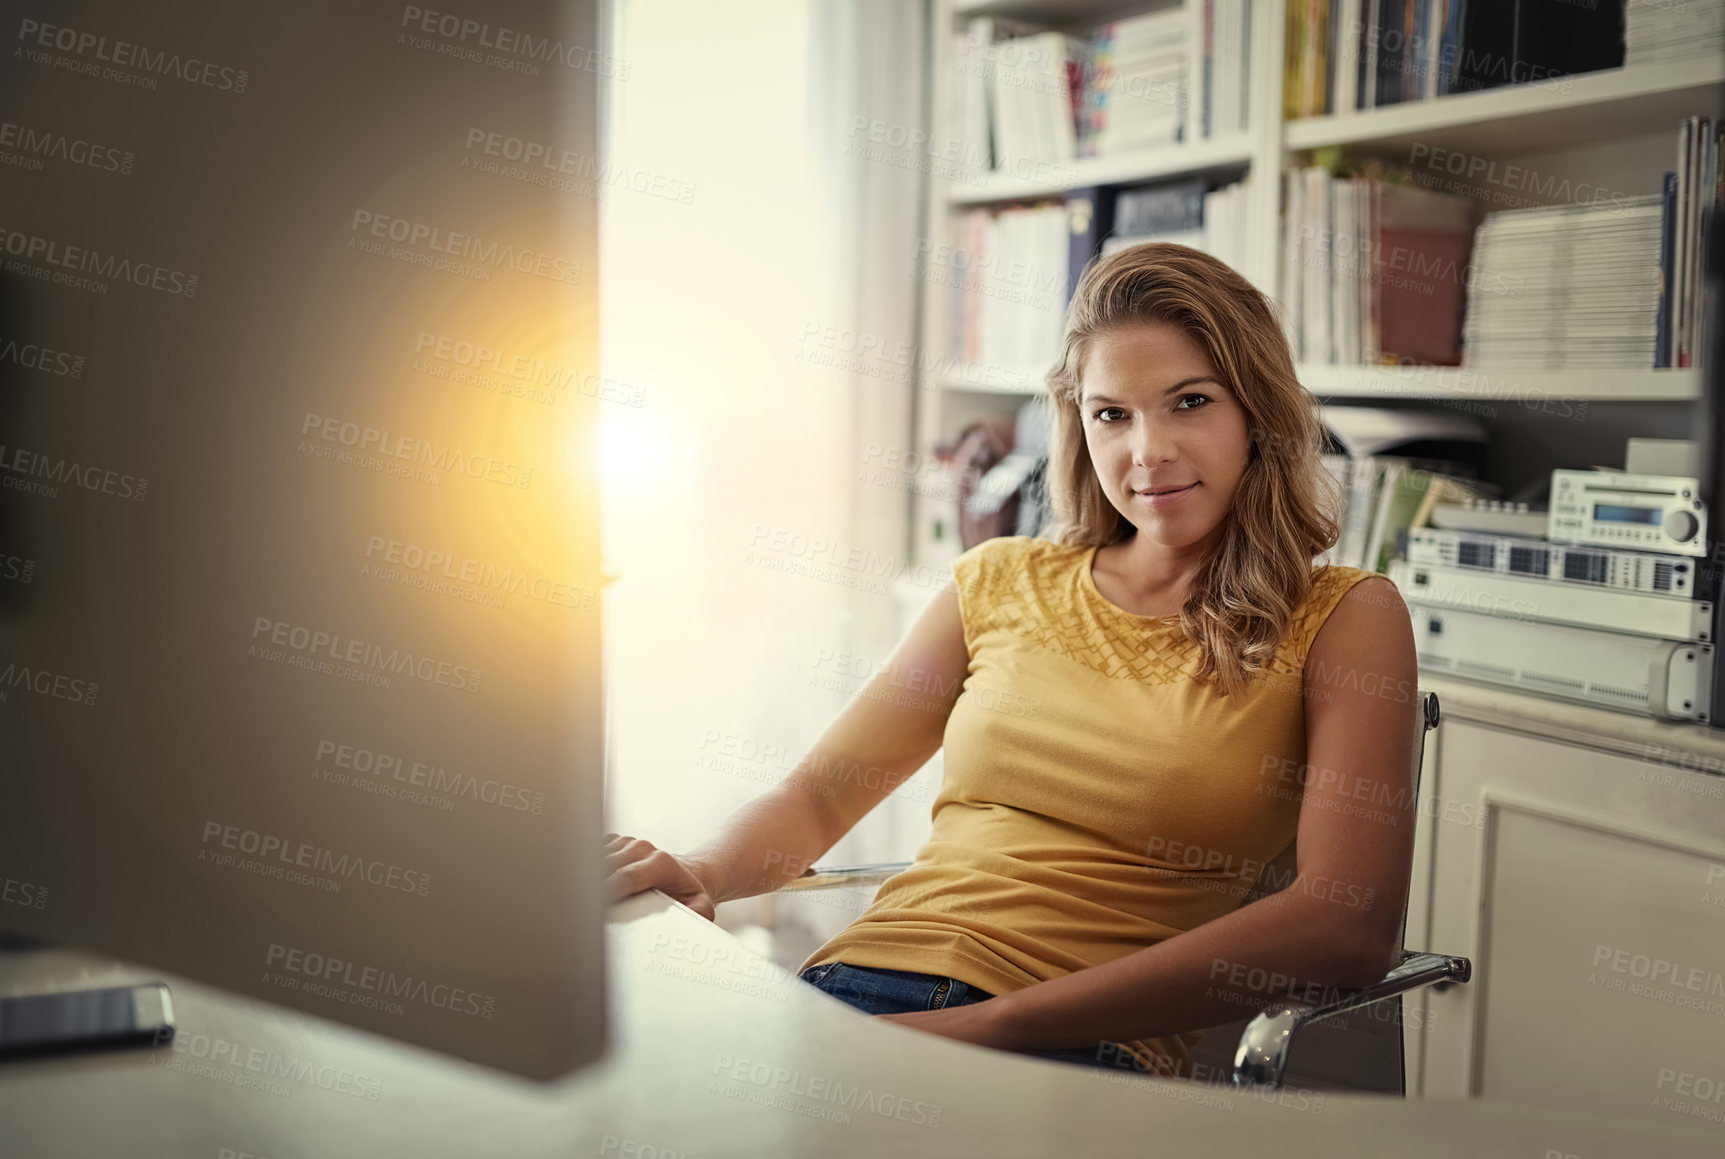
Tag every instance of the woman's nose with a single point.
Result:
(1152, 443)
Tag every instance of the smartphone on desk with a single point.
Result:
(86, 1020)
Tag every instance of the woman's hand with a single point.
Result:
(975, 1023)
(633, 865)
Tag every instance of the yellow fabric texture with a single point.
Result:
(1096, 799)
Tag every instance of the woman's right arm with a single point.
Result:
(879, 740)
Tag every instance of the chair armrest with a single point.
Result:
(834, 876)
(1263, 1050)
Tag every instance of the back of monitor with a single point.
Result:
(299, 629)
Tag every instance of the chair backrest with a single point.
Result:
(1361, 1050)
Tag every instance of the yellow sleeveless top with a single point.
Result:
(1096, 798)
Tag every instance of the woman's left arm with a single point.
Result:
(1335, 926)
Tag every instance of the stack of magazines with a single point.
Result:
(1566, 286)
(1663, 31)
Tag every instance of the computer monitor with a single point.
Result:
(300, 681)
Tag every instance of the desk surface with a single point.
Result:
(715, 1052)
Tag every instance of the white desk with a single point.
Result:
(690, 1038)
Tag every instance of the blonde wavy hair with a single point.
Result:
(1284, 511)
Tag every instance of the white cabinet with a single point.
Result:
(1588, 888)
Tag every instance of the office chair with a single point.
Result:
(1261, 1055)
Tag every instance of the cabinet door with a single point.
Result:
(1588, 888)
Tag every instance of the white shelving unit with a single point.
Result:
(1483, 385)
(1614, 128)
(1564, 111)
(1234, 153)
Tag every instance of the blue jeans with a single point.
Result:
(877, 991)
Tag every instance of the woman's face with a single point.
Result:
(1157, 418)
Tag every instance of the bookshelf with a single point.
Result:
(1443, 382)
(1051, 13)
(1431, 382)
(1616, 128)
(1588, 107)
(1233, 154)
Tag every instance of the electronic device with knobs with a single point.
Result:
(1663, 513)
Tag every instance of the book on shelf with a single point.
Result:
(1421, 54)
(1200, 72)
(1217, 221)
(1373, 271)
(1231, 87)
(1385, 496)
(968, 141)
(1392, 500)
(1014, 93)
(1032, 100)
(1315, 62)
(975, 51)
(1332, 14)
(1401, 489)
(1010, 285)
(1418, 489)
(1350, 55)
(1290, 300)
(1228, 232)
(1089, 221)
(1359, 490)
(1682, 255)
(1486, 46)
(1419, 243)
(1699, 188)
(1345, 85)
(1449, 44)
(1169, 206)
(1316, 265)
(1667, 276)
(1169, 212)
(1013, 270)
(1391, 468)
(1368, 83)
(967, 303)
(1029, 97)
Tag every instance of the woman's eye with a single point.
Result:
(1184, 397)
(1098, 415)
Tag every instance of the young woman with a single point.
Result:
(1138, 714)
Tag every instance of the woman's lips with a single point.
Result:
(1165, 498)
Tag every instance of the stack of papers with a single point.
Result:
(1661, 31)
(1555, 287)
